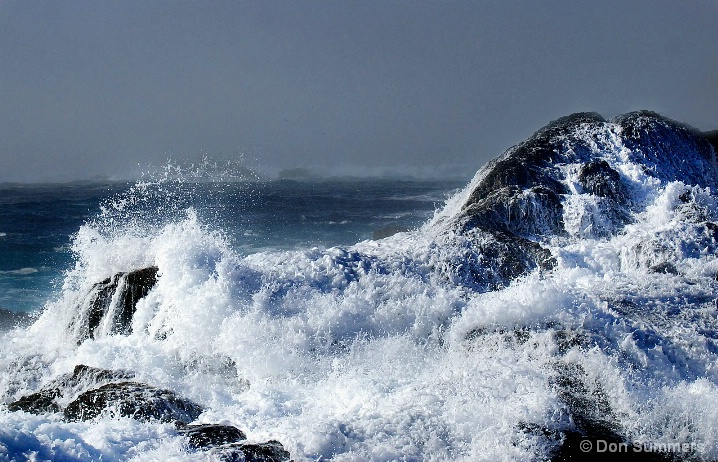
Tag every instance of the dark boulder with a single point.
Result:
(66, 386)
(110, 304)
(271, 451)
(210, 435)
(132, 399)
(42, 402)
(228, 443)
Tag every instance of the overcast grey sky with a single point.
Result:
(96, 88)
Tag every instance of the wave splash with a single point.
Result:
(567, 293)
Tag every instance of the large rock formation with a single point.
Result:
(581, 177)
(569, 179)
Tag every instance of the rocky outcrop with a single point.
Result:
(110, 304)
(569, 170)
(228, 443)
(133, 399)
(65, 388)
(91, 392)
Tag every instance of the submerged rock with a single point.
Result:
(593, 421)
(133, 399)
(110, 304)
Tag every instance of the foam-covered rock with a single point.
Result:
(210, 435)
(271, 451)
(574, 177)
(65, 388)
(133, 399)
(110, 304)
(228, 443)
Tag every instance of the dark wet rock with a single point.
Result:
(132, 399)
(42, 402)
(210, 435)
(663, 268)
(271, 451)
(534, 211)
(712, 138)
(597, 177)
(587, 403)
(137, 285)
(66, 387)
(667, 149)
(93, 392)
(83, 377)
(228, 443)
(494, 259)
(593, 422)
(518, 201)
(110, 304)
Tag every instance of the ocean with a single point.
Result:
(38, 222)
(560, 303)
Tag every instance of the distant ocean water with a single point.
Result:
(37, 222)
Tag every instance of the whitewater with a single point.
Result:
(566, 294)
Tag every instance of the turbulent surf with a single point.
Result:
(562, 303)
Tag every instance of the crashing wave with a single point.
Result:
(566, 294)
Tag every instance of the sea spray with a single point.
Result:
(400, 349)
